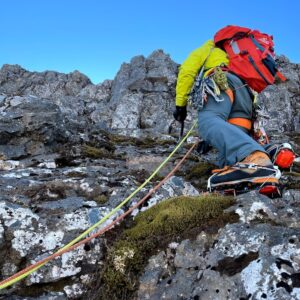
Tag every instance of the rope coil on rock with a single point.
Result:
(76, 242)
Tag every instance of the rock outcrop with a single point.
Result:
(257, 258)
(71, 151)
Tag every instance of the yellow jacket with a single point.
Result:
(191, 66)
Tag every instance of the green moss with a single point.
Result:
(295, 174)
(295, 137)
(292, 184)
(157, 178)
(199, 170)
(142, 175)
(153, 229)
(124, 261)
(146, 142)
(101, 199)
(76, 174)
(122, 139)
(94, 152)
(150, 142)
(193, 157)
(175, 215)
(197, 174)
(291, 180)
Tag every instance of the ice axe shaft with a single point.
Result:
(182, 129)
(170, 129)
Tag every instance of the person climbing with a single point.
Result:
(220, 90)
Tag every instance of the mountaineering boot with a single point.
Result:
(282, 155)
(258, 158)
(256, 169)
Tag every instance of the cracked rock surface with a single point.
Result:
(256, 258)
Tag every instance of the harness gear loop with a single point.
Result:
(197, 94)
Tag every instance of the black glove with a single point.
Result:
(203, 147)
(180, 113)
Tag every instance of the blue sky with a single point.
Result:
(96, 37)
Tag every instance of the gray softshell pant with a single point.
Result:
(232, 142)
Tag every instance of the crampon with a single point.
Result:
(270, 190)
(237, 181)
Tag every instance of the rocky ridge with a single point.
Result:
(70, 151)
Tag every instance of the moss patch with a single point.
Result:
(49, 191)
(150, 142)
(146, 142)
(173, 219)
(142, 175)
(100, 153)
(73, 174)
(94, 152)
(295, 137)
(295, 174)
(101, 199)
(197, 174)
(291, 180)
(199, 170)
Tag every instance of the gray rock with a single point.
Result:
(280, 101)
(2, 99)
(153, 79)
(128, 111)
(12, 152)
(189, 255)
(246, 258)
(15, 80)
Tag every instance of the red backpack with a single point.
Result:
(251, 55)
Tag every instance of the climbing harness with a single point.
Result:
(201, 89)
(211, 88)
(78, 241)
(196, 96)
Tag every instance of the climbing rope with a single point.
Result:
(76, 242)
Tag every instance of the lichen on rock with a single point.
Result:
(153, 229)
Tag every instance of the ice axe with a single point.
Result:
(181, 130)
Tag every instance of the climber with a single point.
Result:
(225, 109)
